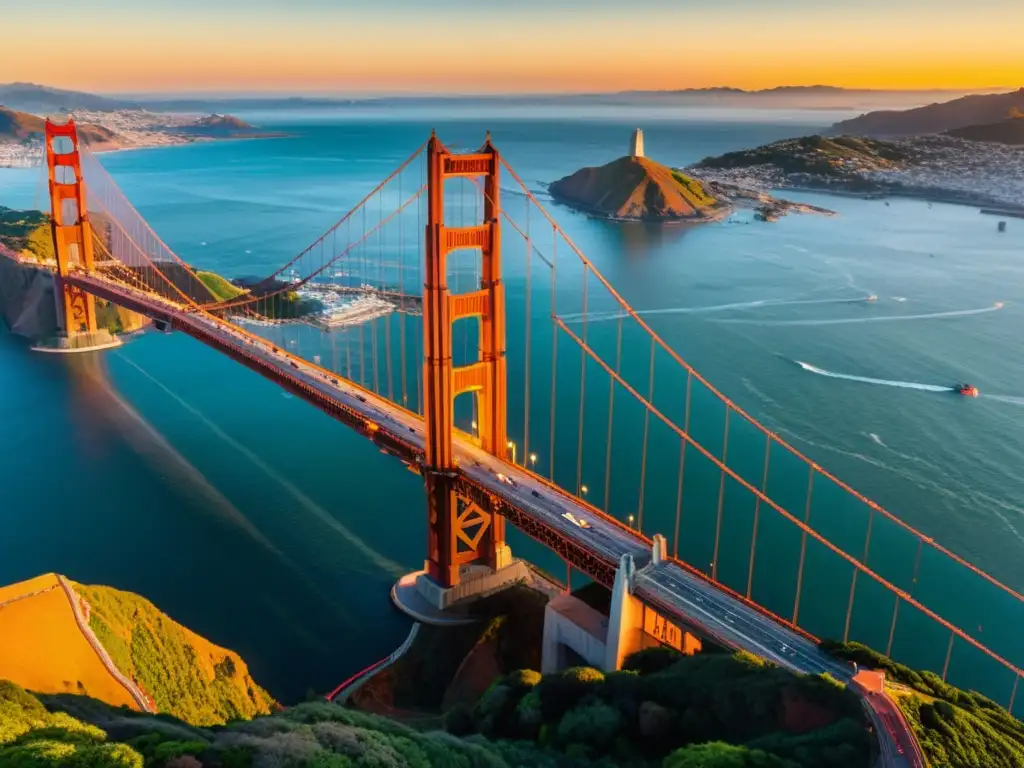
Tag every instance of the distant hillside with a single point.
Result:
(1009, 131)
(42, 100)
(21, 126)
(635, 188)
(935, 118)
(838, 157)
(26, 231)
(224, 121)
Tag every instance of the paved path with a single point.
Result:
(134, 691)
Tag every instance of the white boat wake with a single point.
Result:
(880, 319)
(600, 317)
(869, 380)
(877, 440)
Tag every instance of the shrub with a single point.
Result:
(595, 725)
(651, 660)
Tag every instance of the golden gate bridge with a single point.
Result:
(483, 421)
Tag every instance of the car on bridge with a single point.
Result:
(577, 521)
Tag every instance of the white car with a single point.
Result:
(506, 479)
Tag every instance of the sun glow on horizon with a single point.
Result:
(399, 46)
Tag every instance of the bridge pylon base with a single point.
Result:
(82, 341)
(421, 597)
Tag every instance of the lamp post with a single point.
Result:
(533, 460)
(513, 447)
(583, 490)
(629, 520)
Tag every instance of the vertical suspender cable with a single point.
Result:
(403, 307)
(529, 324)
(949, 653)
(803, 545)
(611, 414)
(583, 388)
(721, 496)
(892, 627)
(682, 465)
(757, 515)
(853, 580)
(554, 348)
(643, 451)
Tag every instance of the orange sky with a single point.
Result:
(523, 45)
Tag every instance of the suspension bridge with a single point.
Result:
(471, 361)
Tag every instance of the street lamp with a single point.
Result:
(630, 521)
(513, 447)
(583, 490)
(533, 459)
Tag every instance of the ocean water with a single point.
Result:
(166, 469)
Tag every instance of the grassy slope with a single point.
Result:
(220, 287)
(186, 675)
(955, 728)
(29, 231)
(83, 732)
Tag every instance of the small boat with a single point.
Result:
(967, 390)
(999, 305)
(872, 297)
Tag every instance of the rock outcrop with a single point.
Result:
(638, 189)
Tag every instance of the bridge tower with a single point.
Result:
(460, 530)
(72, 232)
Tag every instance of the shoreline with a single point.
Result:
(950, 197)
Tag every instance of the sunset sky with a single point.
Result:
(486, 46)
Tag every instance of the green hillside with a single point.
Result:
(186, 675)
(955, 728)
(26, 232)
(221, 288)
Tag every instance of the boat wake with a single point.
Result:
(882, 319)
(1007, 399)
(877, 440)
(599, 317)
(869, 380)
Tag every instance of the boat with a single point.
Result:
(999, 305)
(967, 390)
(872, 297)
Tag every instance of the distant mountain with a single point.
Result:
(1008, 131)
(41, 100)
(935, 118)
(21, 126)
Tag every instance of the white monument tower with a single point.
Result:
(636, 145)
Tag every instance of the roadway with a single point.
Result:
(689, 599)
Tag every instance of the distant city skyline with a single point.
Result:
(528, 46)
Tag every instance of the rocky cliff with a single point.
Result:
(27, 304)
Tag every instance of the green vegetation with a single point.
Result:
(669, 707)
(838, 158)
(955, 728)
(27, 232)
(693, 190)
(221, 288)
(185, 675)
(84, 733)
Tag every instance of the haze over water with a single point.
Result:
(167, 469)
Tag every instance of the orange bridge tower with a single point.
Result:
(72, 232)
(461, 530)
